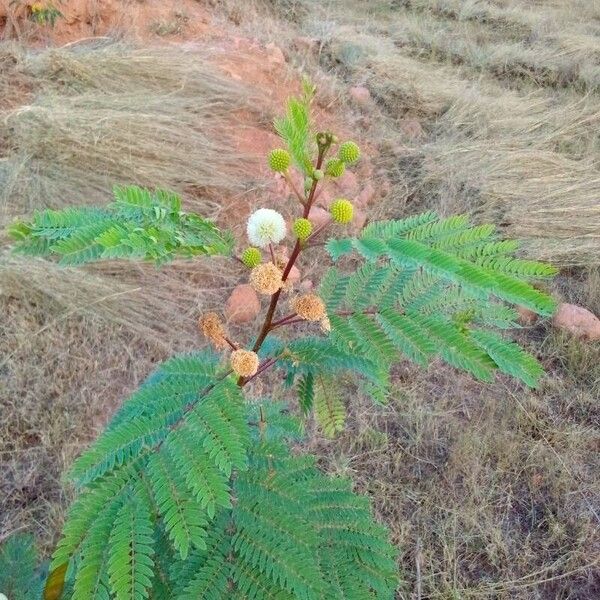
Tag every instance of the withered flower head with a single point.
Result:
(213, 330)
(266, 278)
(325, 324)
(309, 307)
(244, 362)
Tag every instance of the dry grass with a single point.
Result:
(95, 116)
(485, 489)
(527, 161)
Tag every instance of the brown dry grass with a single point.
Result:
(109, 114)
(526, 160)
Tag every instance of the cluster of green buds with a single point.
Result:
(342, 210)
(266, 227)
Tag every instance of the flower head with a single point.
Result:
(335, 167)
(265, 226)
(244, 362)
(279, 160)
(302, 228)
(349, 152)
(325, 324)
(266, 278)
(213, 330)
(309, 307)
(251, 257)
(342, 211)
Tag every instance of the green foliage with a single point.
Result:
(330, 412)
(294, 129)
(431, 287)
(172, 497)
(139, 224)
(191, 491)
(45, 14)
(20, 576)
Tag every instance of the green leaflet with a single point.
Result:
(144, 530)
(20, 576)
(139, 224)
(131, 547)
(423, 287)
(294, 128)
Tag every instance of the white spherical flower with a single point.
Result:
(265, 226)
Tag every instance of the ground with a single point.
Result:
(488, 107)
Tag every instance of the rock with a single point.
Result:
(243, 305)
(411, 128)
(526, 316)
(577, 320)
(306, 44)
(319, 216)
(275, 54)
(360, 95)
(366, 196)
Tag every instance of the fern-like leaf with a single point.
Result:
(330, 412)
(139, 224)
(131, 546)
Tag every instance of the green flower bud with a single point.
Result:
(308, 182)
(279, 160)
(251, 257)
(318, 174)
(302, 228)
(342, 211)
(349, 152)
(335, 167)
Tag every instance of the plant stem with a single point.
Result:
(232, 345)
(282, 321)
(292, 322)
(266, 327)
(292, 185)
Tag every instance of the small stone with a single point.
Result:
(319, 216)
(243, 305)
(361, 95)
(411, 128)
(366, 196)
(526, 316)
(577, 320)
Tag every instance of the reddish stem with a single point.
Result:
(282, 321)
(266, 327)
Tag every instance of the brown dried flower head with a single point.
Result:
(266, 278)
(212, 328)
(309, 307)
(244, 362)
